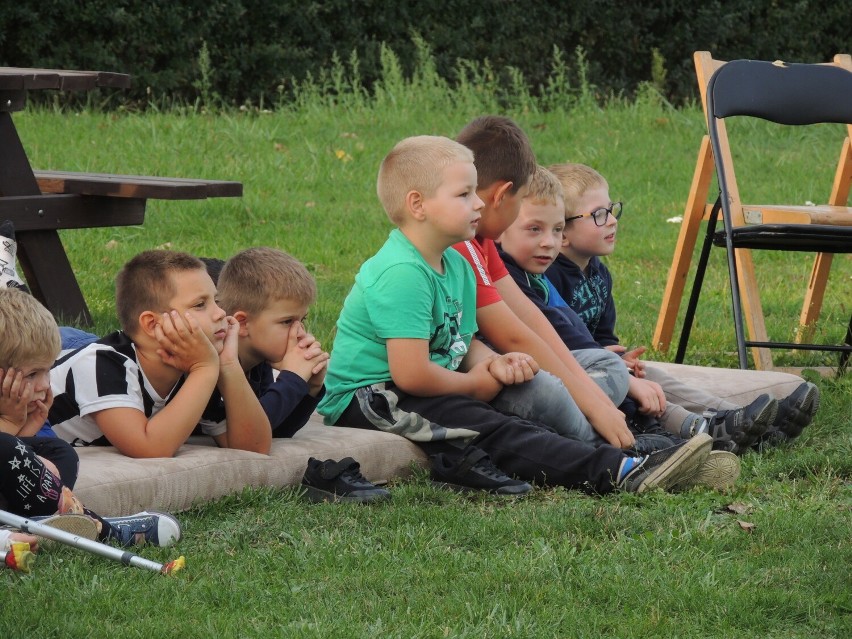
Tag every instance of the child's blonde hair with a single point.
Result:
(544, 187)
(415, 164)
(255, 278)
(576, 179)
(145, 284)
(28, 332)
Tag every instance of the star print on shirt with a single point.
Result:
(15, 463)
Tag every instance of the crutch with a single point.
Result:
(95, 547)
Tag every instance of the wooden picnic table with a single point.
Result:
(39, 203)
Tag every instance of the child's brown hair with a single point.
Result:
(501, 150)
(145, 284)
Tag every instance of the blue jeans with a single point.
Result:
(545, 399)
(75, 338)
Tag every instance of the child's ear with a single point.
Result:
(242, 319)
(496, 192)
(414, 204)
(148, 321)
(565, 240)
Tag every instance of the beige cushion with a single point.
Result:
(111, 484)
(737, 386)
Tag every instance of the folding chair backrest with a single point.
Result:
(792, 94)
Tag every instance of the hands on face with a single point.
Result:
(304, 357)
(183, 344)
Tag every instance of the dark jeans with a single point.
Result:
(519, 447)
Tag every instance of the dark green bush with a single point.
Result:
(257, 46)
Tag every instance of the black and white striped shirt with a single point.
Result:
(103, 375)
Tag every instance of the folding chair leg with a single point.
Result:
(844, 355)
(700, 270)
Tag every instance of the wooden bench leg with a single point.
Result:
(52, 280)
(41, 254)
(693, 214)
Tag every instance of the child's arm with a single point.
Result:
(248, 426)
(184, 346)
(412, 370)
(515, 324)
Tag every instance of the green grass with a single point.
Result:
(429, 563)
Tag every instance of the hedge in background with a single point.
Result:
(256, 48)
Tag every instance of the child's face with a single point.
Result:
(269, 330)
(195, 294)
(583, 239)
(534, 239)
(497, 218)
(39, 373)
(453, 209)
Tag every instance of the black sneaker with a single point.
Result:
(737, 430)
(668, 467)
(154, 528)
(342, 481)
(474, 471)
(797, 410)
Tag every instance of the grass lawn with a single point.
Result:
(429, 563)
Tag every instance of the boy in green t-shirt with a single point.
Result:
(405, 359)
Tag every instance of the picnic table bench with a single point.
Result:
(40, 203)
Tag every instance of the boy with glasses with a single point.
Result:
(585, 283)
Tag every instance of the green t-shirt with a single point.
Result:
(398, 295)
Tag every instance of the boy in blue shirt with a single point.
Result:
(405, 359)
(583, 280)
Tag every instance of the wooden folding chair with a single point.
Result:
(836, 213)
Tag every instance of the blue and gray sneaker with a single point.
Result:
(154, 528)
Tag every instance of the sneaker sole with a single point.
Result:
(79, 525)
(503, 491)
(719, 471)
(803, 411)
(317, 495)
(683, 463)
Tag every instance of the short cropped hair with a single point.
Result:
(576, 179)
(544, 187)
(28, 332)
(145, 284)
(415, 164)
(255, 278)
(502, 151)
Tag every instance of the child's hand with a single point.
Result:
(37, 418)
(631, 358)
(15, 393)
(513, 368)
(183, 345)
(304, 355)
(648, 395)
(230, 354)
(318, 377)
(486, 384)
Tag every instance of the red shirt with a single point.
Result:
(487, 266)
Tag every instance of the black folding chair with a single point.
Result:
(788, 94)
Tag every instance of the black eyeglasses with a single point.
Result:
(600, 215)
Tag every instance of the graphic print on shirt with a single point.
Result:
(588, 300)
(447, 340)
